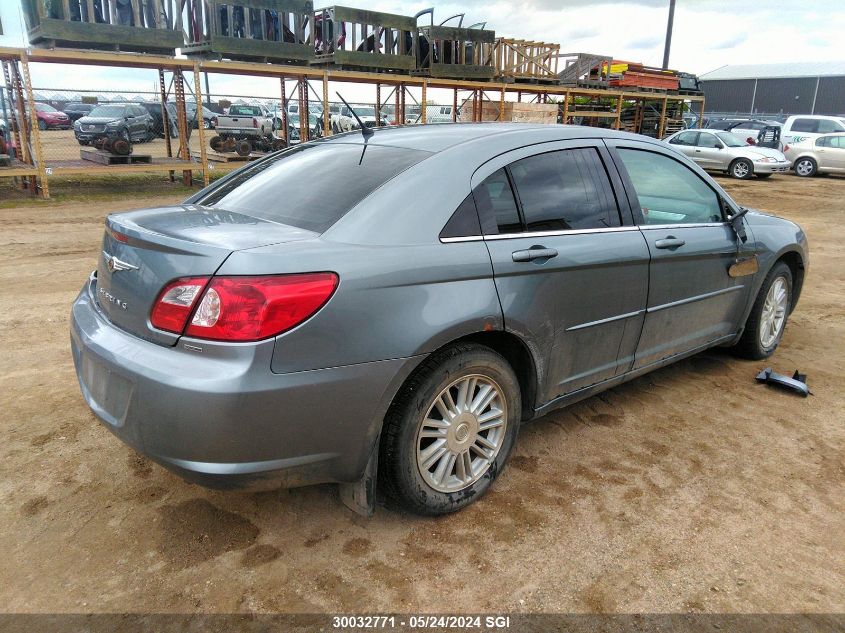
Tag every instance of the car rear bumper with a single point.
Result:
(220, 417)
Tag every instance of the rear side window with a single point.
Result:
(668, 192)
(805, 125)
(837, 142)
(290, 187)
(564, 190)
(495, 199)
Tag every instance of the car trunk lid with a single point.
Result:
(144, 250)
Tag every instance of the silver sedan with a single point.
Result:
(726, 152)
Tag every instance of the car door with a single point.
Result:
(710, 152)
(836, 153)
(685, 143)
(692, 299)
(570, 267)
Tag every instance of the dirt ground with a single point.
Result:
(690, 489)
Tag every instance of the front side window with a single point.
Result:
(826, 127)
(685, 138)
(564, 190)
(669, 192)
(708, 140)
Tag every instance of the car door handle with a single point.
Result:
(669, 242)
(534, 253)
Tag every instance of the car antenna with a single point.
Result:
(365, 131)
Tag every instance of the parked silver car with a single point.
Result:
(722, 151)
(823, 154)
(454, 281)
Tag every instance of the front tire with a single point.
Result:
(805, 167)
(450, 430)
(767, 321)
(741, 168)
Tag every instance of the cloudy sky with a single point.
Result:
(707, 35)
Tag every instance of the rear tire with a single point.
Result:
(741, 168)
(766, 323)
(434, 462)
(805, 167)
(244, 148)
(42, 125)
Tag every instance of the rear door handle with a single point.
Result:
(534, 253)
(669, 242)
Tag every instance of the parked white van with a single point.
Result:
(802, 127)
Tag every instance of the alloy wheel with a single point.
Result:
(740, 169)
(461, 433)
(774, 312)
(804, 168)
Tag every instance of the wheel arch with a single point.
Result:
(797, 267)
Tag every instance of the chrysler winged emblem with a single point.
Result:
(115, 265)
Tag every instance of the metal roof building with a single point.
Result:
(790, 88)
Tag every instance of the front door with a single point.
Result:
(570, 269)
(710, 152)
(692, 300)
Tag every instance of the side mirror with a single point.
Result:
(719, 146)
(738, 225)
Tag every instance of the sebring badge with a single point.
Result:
(115, 265)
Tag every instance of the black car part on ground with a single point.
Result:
(798, 382)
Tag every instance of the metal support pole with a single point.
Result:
(302, 88)
(668, 44)
(38, 152)
(182, 120)
(423, 104)
(200, 127)
(397, 105)
(378, 104)
(403, 97)
(454, 105)
(502, 104)
(284, 111)
(326, 115)
(701, 114)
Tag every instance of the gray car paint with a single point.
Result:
(307, 406)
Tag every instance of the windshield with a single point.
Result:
(731, 140)
(272, 189)
(108, 111)
(43, 107)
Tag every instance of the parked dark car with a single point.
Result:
(51, 119)
(154, 110)
(128, 121)
(78, 110)
(207, 116)
(399, 325)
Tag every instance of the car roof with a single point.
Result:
(437, 137)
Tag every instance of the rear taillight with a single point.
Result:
(786, 148)
(241, 308)
(214, 121)
(255, 123)
(176, 302)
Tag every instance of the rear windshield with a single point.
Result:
(244, 111)
(312, 186)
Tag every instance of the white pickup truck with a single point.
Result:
(245, 128)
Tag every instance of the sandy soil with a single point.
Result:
(690, 489)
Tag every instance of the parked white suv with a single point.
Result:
(824, 154)
(802, 127)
